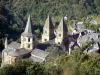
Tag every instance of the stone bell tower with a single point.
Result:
(48, 30)
(61, 32)
(27, 38)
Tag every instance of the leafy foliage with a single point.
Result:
(75, 64)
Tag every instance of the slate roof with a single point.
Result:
(48, 23)
(50, 41)
(93, 48)
(35, 59)
(97, 40)
(62, 26)
(84, 39)
(94, 35)
(39, 53)
(14, 45)
(18, 52)
(80, 25)
(28, 29)
(7, 50)
(88, 37)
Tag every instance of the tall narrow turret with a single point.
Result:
(61, 32)
(48, 30)
(27, 38)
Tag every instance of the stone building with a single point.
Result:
(28, 48)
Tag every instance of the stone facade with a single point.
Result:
(27, 48)
(48, 30)
(61, 32)
(27, 43)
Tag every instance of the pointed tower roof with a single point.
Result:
(28, 29)
(48, 23)
(62, 26)
(6, 42)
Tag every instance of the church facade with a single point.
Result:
(27, 49)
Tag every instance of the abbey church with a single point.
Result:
(29, 47)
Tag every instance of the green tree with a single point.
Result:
(35, 69)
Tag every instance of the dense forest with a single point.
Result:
(13, 13)
(13, 17)
(75, 64)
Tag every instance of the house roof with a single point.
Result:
(18, 52)
(35, 59)
(50, 41)
(7, 50)
(39, 53)
(93, 48)
(84, 39)
(81, 26)
(14, 45)
(94, 35)
(62, 26)
(97, 40)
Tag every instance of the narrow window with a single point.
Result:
(28, 46)
(28, 39)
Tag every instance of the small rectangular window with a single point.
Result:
(28, 39)
(60, 35)
(45, 39)
(28, 46)
(58, 43)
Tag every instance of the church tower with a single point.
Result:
(27, 39)
(61, 32)
(48, 30)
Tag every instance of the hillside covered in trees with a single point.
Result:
(13, 17)
(13, 13)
